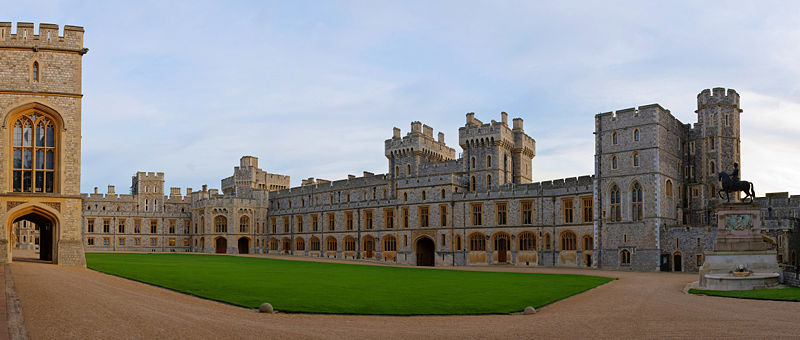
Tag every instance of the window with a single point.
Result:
(502, 213)
(171, 242)
(477, 242)
(389, 243)
(477, 214)
(547, 241)
(527, 241)
(153, 226)
(349, 244)
(635, 159)
(458, 242)
(273, 244)
(527, 212)
(568, 239)
(121, 242)
(286, 224)
(443, 215)
(488, 161)
(711, 143)
(331, 221)
(711, 168)
(405, 197)
(121, 226)
(106, 226)
(172, 226)
(299, 221)
(625, 257)
(137, 226)
(33, 166)
(405, 217)
(314, 244)
(244, 224)
(472, 161)
(443, 192)
(588, 242)
(90, 241)
(636, 135)
(137, 241)
(423, 195)
(444, 238)
(636, 202)
(614, 138)
(615, 204)
(669, 188)
(472, 183)
(408, 169)
(348, 220)
(567, 208)
(711, 191)
(274, 223)
(314, 222)
(220, 224)
(90, 225)
(299, 244)
(423, 217)
(488, 182)
(588, 211)
(368, 219)
(613, 162)
(388, 218)
(153, 242)
(106, 241)
(699, 259)
(35, 71)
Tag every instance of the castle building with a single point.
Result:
(40, 139)
(648, 206)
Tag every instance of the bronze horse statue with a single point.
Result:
(729, 185)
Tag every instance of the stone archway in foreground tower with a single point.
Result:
(48, 224)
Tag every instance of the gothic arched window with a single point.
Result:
(34, 153)
(35, 71)
(636, 202)
(615, 198)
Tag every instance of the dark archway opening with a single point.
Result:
(244, 245)
(42, 229)
(369, 247)
(677, 261)
(425, 249)
(222, 245)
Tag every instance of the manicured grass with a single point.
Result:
(315, 287)
(781, 294)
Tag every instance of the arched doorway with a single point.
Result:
(244, 245)
(369, 247)
(47, 227)
(222, 245)
(677, 260)
(425, 249)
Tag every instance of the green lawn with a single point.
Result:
(779, 294)
(314, 287)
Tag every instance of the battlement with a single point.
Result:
(48, 37)
(149, 176)
(644, 114)
(717, 96)
(474, 133)
(420, 139)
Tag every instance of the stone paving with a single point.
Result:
(68, 302)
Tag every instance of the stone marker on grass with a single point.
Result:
(529, 310)
(266, 307)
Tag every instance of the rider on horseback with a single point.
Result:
(735, 173)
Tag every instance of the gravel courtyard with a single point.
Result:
(65, 302)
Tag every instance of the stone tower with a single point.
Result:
(148, 187)
(407, 154)
(40, 137)
(495, 154)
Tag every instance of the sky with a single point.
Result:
(313, 88)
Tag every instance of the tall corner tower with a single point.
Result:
(716, 142)
(40, 138)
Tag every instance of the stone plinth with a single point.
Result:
(739, 243)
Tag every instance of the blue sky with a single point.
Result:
(313, 88)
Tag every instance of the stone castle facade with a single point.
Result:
(40, 139)
(648, 206)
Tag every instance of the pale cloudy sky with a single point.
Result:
(313, 88)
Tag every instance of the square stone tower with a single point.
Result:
(40, 138)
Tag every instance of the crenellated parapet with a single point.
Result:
(47, 39)
(419, 141)
(718, 96)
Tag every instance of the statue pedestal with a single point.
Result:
(739, 244)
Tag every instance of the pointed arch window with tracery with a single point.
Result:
(34, 153)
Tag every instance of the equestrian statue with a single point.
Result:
(731, 183)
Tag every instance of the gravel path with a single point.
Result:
(65, 302)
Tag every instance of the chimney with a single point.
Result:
(110, 189)
(95, 190)
(441, 137)
(188, 191)
(416, 127)
(205, 187)
(518, 124)
(470, 117)
(504, 118)
(395, 133)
